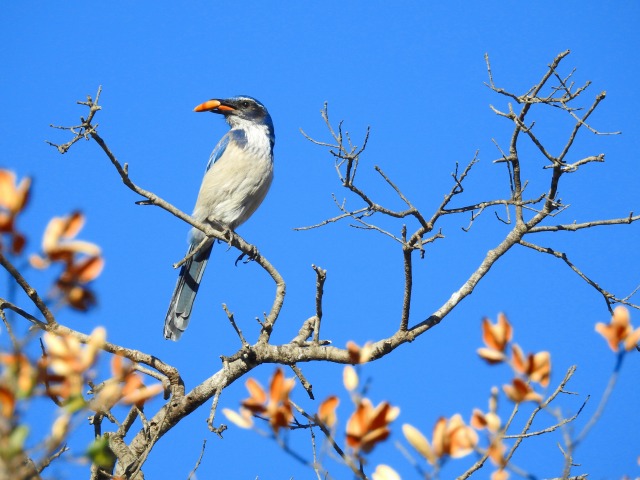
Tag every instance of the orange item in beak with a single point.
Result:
(207, 106)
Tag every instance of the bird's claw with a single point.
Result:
(251, 256)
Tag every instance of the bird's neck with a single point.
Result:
(256, 135)
(253, 130)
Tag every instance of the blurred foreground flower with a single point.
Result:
(13, 199)
(490, 420)
(496, 337)
(17, 381)
(385, 472)
(327, 411)
(7, 401)
(65, 366)
(18, 374)
(350, 378)
(534, 367)
(126, 386)
(451, 437)
(275, 406)
(537, 366)
(496, 452)
(82, 260)
(359, 354)
(368, 426)
(619, 330)
(242, 419)
(520, 391)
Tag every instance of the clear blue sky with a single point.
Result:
(414, 71)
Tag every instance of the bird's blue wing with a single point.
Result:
(218, 150)
(237, 136)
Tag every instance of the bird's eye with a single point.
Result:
(245, 104)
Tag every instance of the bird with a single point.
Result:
(236, 181)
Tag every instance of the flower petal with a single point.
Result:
(327, 410)
(418, 441)
(491, 356)
(385, 472)
(242, 419)
(255, 390)
(350, 378)
(72, 225)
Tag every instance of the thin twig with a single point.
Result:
(303, 381)
(14, 340)
(321, 276)
(407, 252)
(43, 464)
(603, 401)
(609, 298)
(235, 326)
(327, 433)
(197, 465)
(212, 415)
(537, 410)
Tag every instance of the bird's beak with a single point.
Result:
(213, 106)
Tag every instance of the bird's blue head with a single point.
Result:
(238, 110)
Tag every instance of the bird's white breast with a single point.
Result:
(237, 183)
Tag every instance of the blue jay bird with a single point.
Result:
(236, 180)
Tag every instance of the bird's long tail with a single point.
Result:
(177, 319)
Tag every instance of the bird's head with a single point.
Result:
(238, 110)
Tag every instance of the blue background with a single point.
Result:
(414, 72)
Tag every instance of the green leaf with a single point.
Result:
(75, 404)
(16, 441)
(100, 453)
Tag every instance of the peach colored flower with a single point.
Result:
(242, 419)
(65, 366)
(536, 367)
(368, 426)
(60, 428)
(490, 420)
(496, 452)
(327, 411)
(619, 330)
(20, 374)
(350, 378)
(141, 394)
(500, 474)
(132, 390)
(82, 260)
(13, 199)
(418, 441)
(385, 472)
(7, 402)
(520, 391)
(496, 337)
(72, 283)
(359, 354)
(58, 244)
(66, 355)
(451, 437)
(276, 406)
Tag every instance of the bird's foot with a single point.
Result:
(250, 256)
